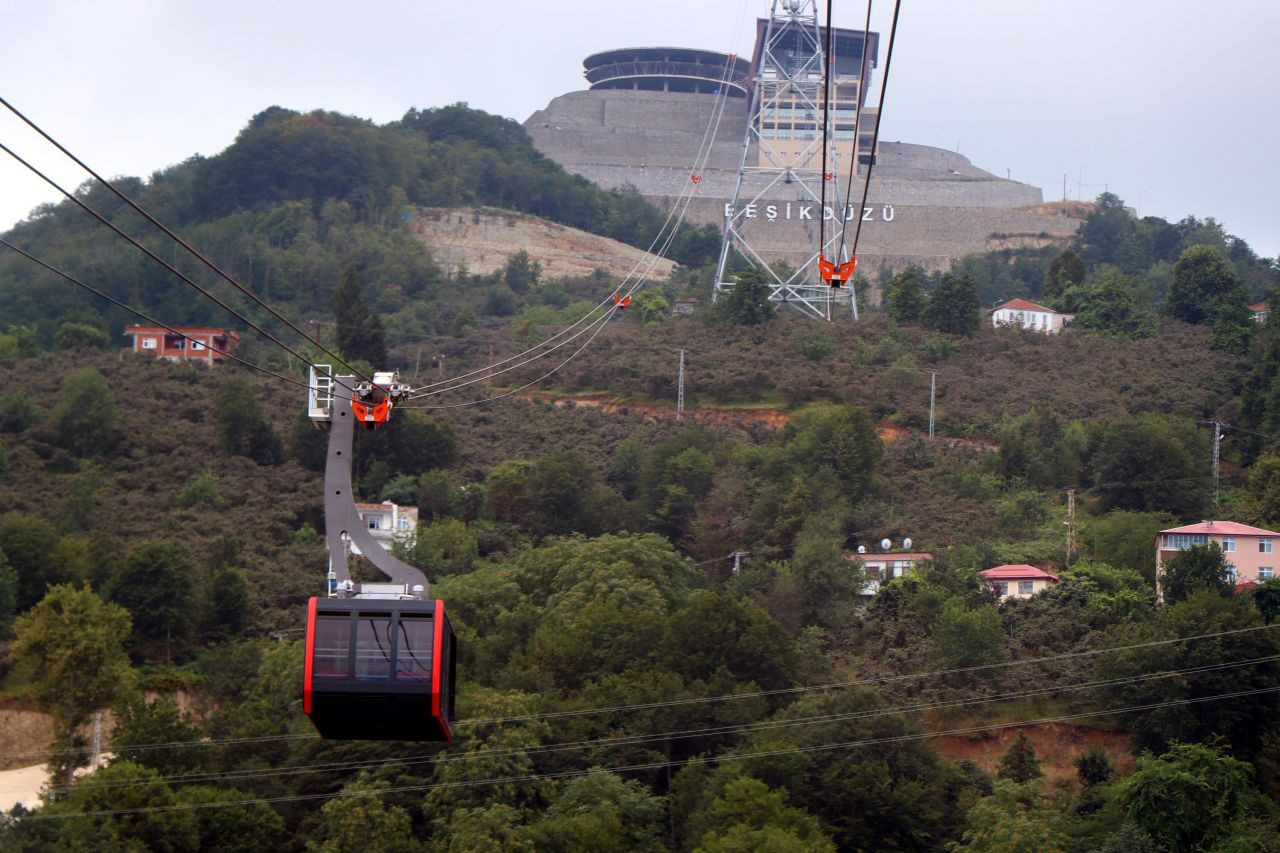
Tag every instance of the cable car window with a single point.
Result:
(413, 653)
(333, 639)
(373, 646)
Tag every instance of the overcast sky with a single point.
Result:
(1171, 104)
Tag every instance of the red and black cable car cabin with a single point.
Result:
(379, 669)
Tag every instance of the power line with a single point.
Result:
(614, 709)
(715, 731)
(536, 777)
(183, 243)
(875, 134)
(149, 319)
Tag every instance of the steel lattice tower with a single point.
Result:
(788, 92)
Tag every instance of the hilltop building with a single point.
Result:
(647, 111)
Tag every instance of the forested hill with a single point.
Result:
(296, 199)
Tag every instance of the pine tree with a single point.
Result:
(953, 305)
(360, 334)
(1019, 764)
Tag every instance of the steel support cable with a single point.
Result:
(857, 130)
(650, 259)
(875, 134)
(602, 321)
(168, 266)
(839, 685)
(176, 238)
(828, 61)
(657, 765)
(149, 319)
(685, 734)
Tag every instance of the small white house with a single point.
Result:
(388, 522)
(1018, 580)
(1028, 315)
(884, 567)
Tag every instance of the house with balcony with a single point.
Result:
(388, 523)
(1026, 314)
(201, 344)
(1250, 551)
(884, 567)
(1018, 580)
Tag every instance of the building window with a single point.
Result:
(1228, 543)
(1182, 541)
(1266, 573)
(148, 343)
(197, 346)
(1026, 587)
(1264, 546)
(1002, 588)
(1231, 572)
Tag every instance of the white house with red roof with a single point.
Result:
(388, 523)
(1018, 580)
(1028, 315)
(1250, 552)
(1260, 311)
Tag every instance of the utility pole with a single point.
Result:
(1217, 443)
(1071, 524)
(933, 395)
(440, 365)
(1064, 186)
(680, 389)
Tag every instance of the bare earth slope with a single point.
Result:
(481, 239)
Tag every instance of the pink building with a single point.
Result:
(1018, 580)
(1250, 551)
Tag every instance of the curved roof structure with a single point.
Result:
(668, 69)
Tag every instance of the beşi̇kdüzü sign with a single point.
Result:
(792, 210)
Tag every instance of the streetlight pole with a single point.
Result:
(1080, 183)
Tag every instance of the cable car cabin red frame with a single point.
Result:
(379, 669)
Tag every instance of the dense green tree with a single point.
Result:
(141, 724)
(228, 603)
(841, 439)
(242, 427)
(748, 303)
(600, 811)
(8, 596)
(73, 335)
(1065, 271)
(1189, 798)
(156, 582)
(1019, 763)
(953, 305)
(1206, 288)
(520, 273)
(967, 637)
(1040, 449)
(749, 817)
(1115, 305)
(73, 645)
(18, 411)
(1241, 720)
(1267, 598)
(27, 542)
(1094, 767)
(437, 494)
(359, 330)
(229, 820)
(716, 631)
(1123, 538)
(84, 421)
(361, 820)
(123, 807)
(1015, 818)
(1110, 235)
(1151, 463)
(906, 297)
(1195, 568)
(828, 583)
